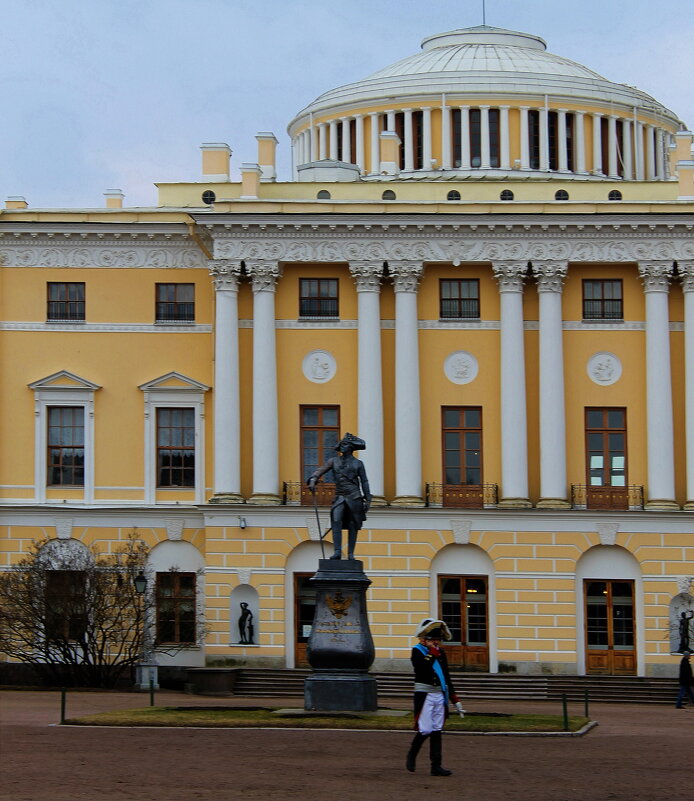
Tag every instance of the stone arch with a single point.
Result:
(470, 560)
(303, 559)
(609, 562)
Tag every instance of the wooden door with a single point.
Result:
(463, 605)
(304, 609)
(609, 627)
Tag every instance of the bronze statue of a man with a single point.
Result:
(352, 494)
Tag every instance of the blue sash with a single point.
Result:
(437, 669)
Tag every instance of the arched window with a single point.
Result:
(506, 194)
(615, 194)
(454, 194)
(208, 197)
(561, 194)
(388, 195)
(323, 195)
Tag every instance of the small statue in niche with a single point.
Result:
(683, 625)
(246, 625)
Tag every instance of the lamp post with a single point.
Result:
(146, 671)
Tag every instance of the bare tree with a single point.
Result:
(75, 614)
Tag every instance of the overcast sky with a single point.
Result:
(104, 94)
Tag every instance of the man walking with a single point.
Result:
(686, 681)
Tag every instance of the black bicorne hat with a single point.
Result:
(355, 443)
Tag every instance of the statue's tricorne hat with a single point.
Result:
(356, 443)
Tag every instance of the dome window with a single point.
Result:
(208, 197)
(388, 195)
(561, 194)
(454, 194)
(615, 194)
(506, 194)
(323, 195)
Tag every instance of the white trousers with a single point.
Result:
(433, 713)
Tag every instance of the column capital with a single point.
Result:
(264, 275)
(510, 275)
(656, 275)
(406, 275)
(685, 270)
(225, 274)
(367, 275)
(550, 275)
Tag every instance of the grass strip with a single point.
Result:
(245, 718)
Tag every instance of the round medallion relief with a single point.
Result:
(319, 366)
(461, 367)
(604, 368)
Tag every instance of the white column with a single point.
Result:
(409, 139)
(626, 149)
(656, 277)
(390, 120)
(485, 157)
(346, 141)
(638, 151)
(504, 143)
(367, 277)
(612, 147)
(597, 144)
(359, 133)
(227, 420)
(686, 270)
(445, 137)
(514, 433)
(524, 139)
(553, 485)
(659, 155)
(375, 143)
(544, 140)
(426, 138)
(465, 137)
(334, 155)
(580, 141)
(561, 143)
(408, 435)
(650, 152)
(321, 140)
(264, 277)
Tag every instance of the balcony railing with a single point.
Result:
(618, 498)
(462, 496)
(294, 493)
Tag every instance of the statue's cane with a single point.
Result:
(315, 509)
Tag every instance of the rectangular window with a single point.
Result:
(602, 300)
(176, 607)
(320, 433)
(553, 143)
(475, 137)
(175, 447)
(606, 442)
(462, 445)
(459, 298)
(65, 301)
(66, 617)
(65, 446)
(175, 303)
(494, 137)
(318, 297)
(534, 139)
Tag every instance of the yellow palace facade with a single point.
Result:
(483, 265)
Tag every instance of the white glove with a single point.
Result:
(460, 709)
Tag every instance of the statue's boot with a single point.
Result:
(435, 754)
(411, 761)
(337, 543)
(351, 544)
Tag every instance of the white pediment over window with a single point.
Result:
(174, 381)
(63, 380)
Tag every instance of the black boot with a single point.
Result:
(414, 750)
(435, 754)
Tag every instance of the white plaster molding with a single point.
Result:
(63, 527)
(510, 275)
(244, 574)
(264, 274)
(319, 366)
(110, 328)
(550, 275)
(225, 274)
(174, 528)
(655, 275)
(604, 368)
(406, 275)
(367, 275)
(460, 367)
(113, 254)
(312, 528)
(607, 533)
(461, 531)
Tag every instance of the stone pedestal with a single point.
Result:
(340, 649)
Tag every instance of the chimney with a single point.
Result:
(267, 151)
(390, 153)
(16, 202)
(215, 161)
(114, 198)
(250, 181)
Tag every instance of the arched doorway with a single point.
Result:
(463, 593)
(300, 601)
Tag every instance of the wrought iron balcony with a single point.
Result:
(296, 493)
(619, 498)
(462, 496)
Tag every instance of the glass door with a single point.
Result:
(463, 605)
(609, 627)
(304, 609)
